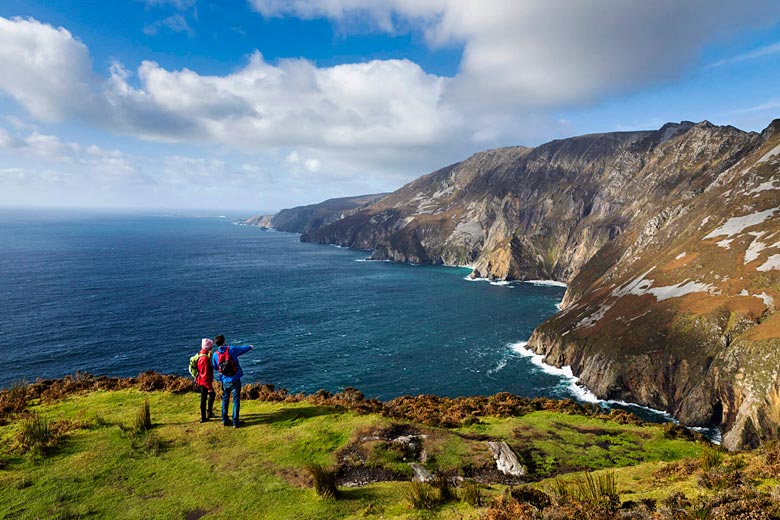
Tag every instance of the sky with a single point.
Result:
(258, 105)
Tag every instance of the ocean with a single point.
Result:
(119, 294)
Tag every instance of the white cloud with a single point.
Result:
(766, 50)
(772, 104)
(42, 169)
(297, 164)
(92, 164)
(46, 70)
(175, 23)
(370, 126)
(519, 59)
(391, 103)
(542, 53)
(181, 5)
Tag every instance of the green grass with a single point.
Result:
(564, 443)
(179, 467)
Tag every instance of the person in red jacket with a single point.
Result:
(205, 380)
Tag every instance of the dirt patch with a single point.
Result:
(358, 475)
(196, 514)
(299, 478)
(491, 475)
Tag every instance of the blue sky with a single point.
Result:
(262, 104)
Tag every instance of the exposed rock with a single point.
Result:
(261, 221)
(506, 460)
(669, 241)
(421, 473)
(306, 219)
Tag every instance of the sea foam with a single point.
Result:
(577, 390)
(553, 283)
(582, 394)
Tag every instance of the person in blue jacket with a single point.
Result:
(230, 373)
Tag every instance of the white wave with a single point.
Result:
(574, 387)
(713, 434)
(552, 283)
(499, 366)
(500, 283)
(666, 415)
(569, 379)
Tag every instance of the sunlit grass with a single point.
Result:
(179, 467)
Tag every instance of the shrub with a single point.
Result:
(154, 444)
(143, 420)
(529, 495)
(324, 481)
(443, 488)
(36, 434)
(674, 505)
(13, 400)
(471, 493)
(720, 478)
(422, 496)
(598, 490)
(711, 457)
(507, 508)
(678, 469)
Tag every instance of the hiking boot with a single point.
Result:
(212, 416)
(227, 423)
(204, 419)
(238, 424)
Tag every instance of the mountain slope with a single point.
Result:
(669, 241)
(679, 313)
(304, 219)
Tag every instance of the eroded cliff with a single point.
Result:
(669, 241)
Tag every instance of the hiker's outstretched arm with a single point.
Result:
(237, 350)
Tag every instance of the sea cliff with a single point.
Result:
(669, 241)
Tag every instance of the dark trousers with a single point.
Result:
(234, 387)
(206, 394)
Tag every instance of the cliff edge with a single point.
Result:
(669, 241)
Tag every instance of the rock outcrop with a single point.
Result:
(669, 241)
(506, 460)
(306, 219)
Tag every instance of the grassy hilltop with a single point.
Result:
(86, 447)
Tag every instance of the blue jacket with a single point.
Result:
(235, 351)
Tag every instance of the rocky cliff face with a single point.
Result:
(669, 241)
(306, 219)
(678, 312)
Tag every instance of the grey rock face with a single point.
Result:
(506, 460)
(421, 473)
(669, 241)
(305, 219)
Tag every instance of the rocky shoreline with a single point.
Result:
(668, 241)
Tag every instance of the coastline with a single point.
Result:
(583, 394)
(579, 392)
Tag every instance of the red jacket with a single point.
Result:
(205, 369)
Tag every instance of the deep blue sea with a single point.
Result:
(118, 294)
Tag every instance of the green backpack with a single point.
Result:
(194, 364)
